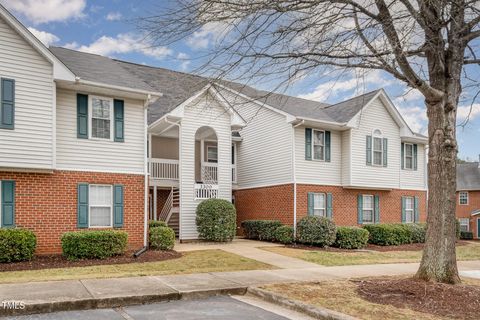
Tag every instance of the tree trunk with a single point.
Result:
(439, 257)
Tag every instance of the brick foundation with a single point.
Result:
(465, 211)
(276, 202)
(47, 204)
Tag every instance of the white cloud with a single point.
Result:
(416, 118)
(468, 112)
(45, 37)
(184, 58)
(122, 43)
(113, 16)
(208, 34)
(43, 11)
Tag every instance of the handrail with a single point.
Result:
(167, 207)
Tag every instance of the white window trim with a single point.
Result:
(313, 145)
(372, 208)
(90, 206)
(460, 197)
(90, 117)
(208, 158)
(405, 156)
(468, 223)
(412, 210)
(324, 204)
(378, 136)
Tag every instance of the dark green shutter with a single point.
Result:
(308, 144)
(404, 214)
(415, 151)
(117, 206)
(329, 205)
(327, 145)
(369, 150)
(360, 209)
(377, 208)
(82, 210)
(7, 105)
(82, 116)
(8, 203)
(118, 111)
(385, 152)
(403, 155)
(415, 206)
(310, 201)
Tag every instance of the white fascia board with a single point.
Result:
(153, 96)
(237, 119)
(320, 123)
(60, 71)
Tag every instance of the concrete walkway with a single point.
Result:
(249, 249)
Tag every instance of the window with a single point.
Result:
(377, 148)
(368, 213)
(318, 145)
(464, 224)
(463, 198)
(212, 154)
(319, 204)
(409, 210)
(101, 114)
(408, 156)
(100, 205)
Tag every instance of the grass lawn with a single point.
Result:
(190, 262)
(328, 258)
(342, 296)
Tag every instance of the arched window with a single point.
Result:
(377, 149)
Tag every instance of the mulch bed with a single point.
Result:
(59, 261)
(372, 247)
(451, 301)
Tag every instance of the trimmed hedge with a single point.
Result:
(393, 234)
(284, 234)
(154, 224)
(317, 231)
(351, 238)
(418, 232)
(216, 220)
(93, 244)
(17, 245)
(466, 235)
(162, 238)
(261, 229)
(457, 228)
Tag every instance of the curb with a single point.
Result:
(315, 312)
(102, 303)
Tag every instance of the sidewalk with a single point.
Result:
(51, 296)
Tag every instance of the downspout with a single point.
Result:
(146, 175)
(294, 179)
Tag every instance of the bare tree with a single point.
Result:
(427, 44)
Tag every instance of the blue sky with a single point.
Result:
(106, 28)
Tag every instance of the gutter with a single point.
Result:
(294, 179)
(150, 94)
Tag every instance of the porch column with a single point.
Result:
(155, 213)
(202, 157)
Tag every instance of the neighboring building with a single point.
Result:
(468, 197)
(76, 152)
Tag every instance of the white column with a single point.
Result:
(155, 213)
(202, 157)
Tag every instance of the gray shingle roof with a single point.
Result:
(468, 176)
(178, 86)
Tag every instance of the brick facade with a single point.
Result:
(276, 202)
(46, 203)
(465, 211)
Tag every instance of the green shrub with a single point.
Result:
(216, 220)
(466, 235)
(162, 238)
(93, 244)
(317, 231)
(153, 224)
(389, 234)
(418, 232)
(351, 238)
(284, 234)
(260, 229)
(457, 228)
(17, 245)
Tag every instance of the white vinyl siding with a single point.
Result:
(204, 111)
(463, 198)
(30, 144)
(318, 172)
(100, 200)
(368, 209)
(464, 224)
(345, 156)
(95, 154)
(415, 179)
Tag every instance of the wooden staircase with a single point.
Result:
(171, 211)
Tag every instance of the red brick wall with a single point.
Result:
(465, 211)
(47, 204)
(276, 202)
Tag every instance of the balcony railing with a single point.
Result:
(205, 191)
(163, 169)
